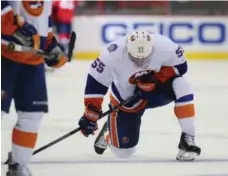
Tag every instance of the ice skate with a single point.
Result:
(187, 148)
(100, 144)
(15, 169)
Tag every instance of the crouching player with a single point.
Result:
(151, 65)
(25, 24)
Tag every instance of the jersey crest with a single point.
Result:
(133, 78)
(34, 8)
(112, 47)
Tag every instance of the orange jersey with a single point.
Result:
(36, 13)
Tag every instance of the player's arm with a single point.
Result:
(176, 65)
(8, 26)
(14, 27)
(57, 57)
(99, 79)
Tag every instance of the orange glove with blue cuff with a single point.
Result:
(88, 122)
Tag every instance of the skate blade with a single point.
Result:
(99, 150)
(186, 156)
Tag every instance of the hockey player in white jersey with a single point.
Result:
(26, 24)
(147, 64)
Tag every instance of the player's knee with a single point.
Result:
(181, 87)
(122, 153)
(29, 121)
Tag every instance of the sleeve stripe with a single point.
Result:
(182, 68)
(6, 10)
(50, 24)
(49, 21)
(93, 87)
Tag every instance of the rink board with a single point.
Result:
(202, 37)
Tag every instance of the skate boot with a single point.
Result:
(15, 169)
(100, 144)
(187, 148)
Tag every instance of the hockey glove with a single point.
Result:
(145, 83)
(165, 74)
(88, 122)
(26, 33)
(56, 56)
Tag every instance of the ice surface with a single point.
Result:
(159, 132)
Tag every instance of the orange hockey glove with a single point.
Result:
(88, 122)
(165, 74)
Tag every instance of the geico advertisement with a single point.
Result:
(184, 31)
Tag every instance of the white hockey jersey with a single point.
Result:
(36, 13)
(114, 67)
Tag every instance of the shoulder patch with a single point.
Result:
(112, 47)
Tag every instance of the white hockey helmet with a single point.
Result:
(139, 45)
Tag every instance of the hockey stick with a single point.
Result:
(20, 48)
(71, 45)
(78, 129)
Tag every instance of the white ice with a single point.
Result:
(159, 131)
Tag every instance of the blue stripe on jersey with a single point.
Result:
(185, 98)
(182, 68)
(43, 42)
(4, 4)
(116, 92)
(94, 87)
(120, 99)
(49, 21)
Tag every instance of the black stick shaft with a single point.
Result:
(78, 129)
(71, 46)
(56, 141)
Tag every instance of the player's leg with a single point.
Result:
(64, 31)
(185, 112)
(31, 103)
(178, 90)
(121, 133)
(9, 72)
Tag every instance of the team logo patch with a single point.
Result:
(133, 78)
(3, 94)
(34, 8)
(148, 38)
(132, 38)
(112, 47)
(125, 140)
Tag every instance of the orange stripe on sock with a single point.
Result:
(24, 139)
(114, 134)
(184, 111)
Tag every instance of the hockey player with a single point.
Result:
(26, 24)
(151, 65)
(63, 12)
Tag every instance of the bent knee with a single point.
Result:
(182, 87)
(122, 153)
